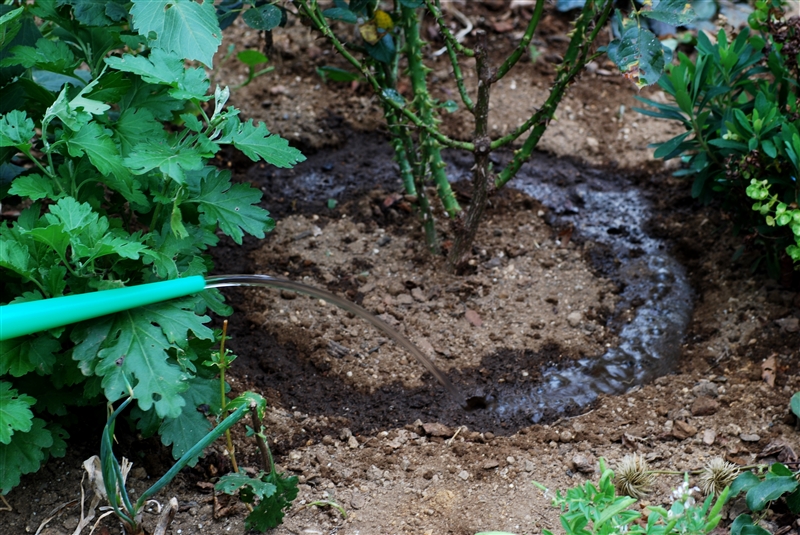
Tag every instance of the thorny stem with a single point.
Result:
(481, 183)
(449, 38)
(318, 20)
(430, 149)
(451, 53)
(574, 60)
(523, 43)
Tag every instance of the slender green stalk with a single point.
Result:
(523, 43)
(448, 35)
(451, 45)
(223, 399)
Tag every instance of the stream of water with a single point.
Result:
(655, 287)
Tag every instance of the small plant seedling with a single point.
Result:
(130, 512)
(253, 58)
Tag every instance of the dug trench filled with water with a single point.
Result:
(591, 303)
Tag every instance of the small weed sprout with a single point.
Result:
(598, 510)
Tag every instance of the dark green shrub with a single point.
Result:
(105, 138)
(738, 103)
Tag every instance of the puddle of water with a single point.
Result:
(655, 286)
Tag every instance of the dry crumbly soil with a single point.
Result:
(360, 422)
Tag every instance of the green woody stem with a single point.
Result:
(430, 149)
(467, 228)
(575, 59)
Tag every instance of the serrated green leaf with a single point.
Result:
(24, 454)
(768, 490)
(269, 512)
(25, 354)
(96, 143)
(47, 55)
(256, 143)
(111, 87)
(72, 118)
(16, 257)
(189, 29)
(192, 122)
(172, 162)
(16, 129)
(183, 432)
(232, 207)
(164, 68)
(136, 349)
(231, 483)
(153, 98)
(34, 187)
(135, 126)
(73, 215)
(54, 236)
(97, 12)
(15, 412)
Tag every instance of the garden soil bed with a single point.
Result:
(361, 423)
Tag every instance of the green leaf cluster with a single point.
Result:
(596, 509)
(106, 134)
(591, 509)
(738, 104)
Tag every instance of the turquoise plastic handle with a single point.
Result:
(34, 316)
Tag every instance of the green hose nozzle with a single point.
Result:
(34, 316)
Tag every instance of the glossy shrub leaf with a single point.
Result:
(263, 18)
(674, 12)
(795, 404)
(184, 27)
(768, 490)
(383, 50)
(639, 54)
(342, 14)
(744, 482)
(413, 4)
